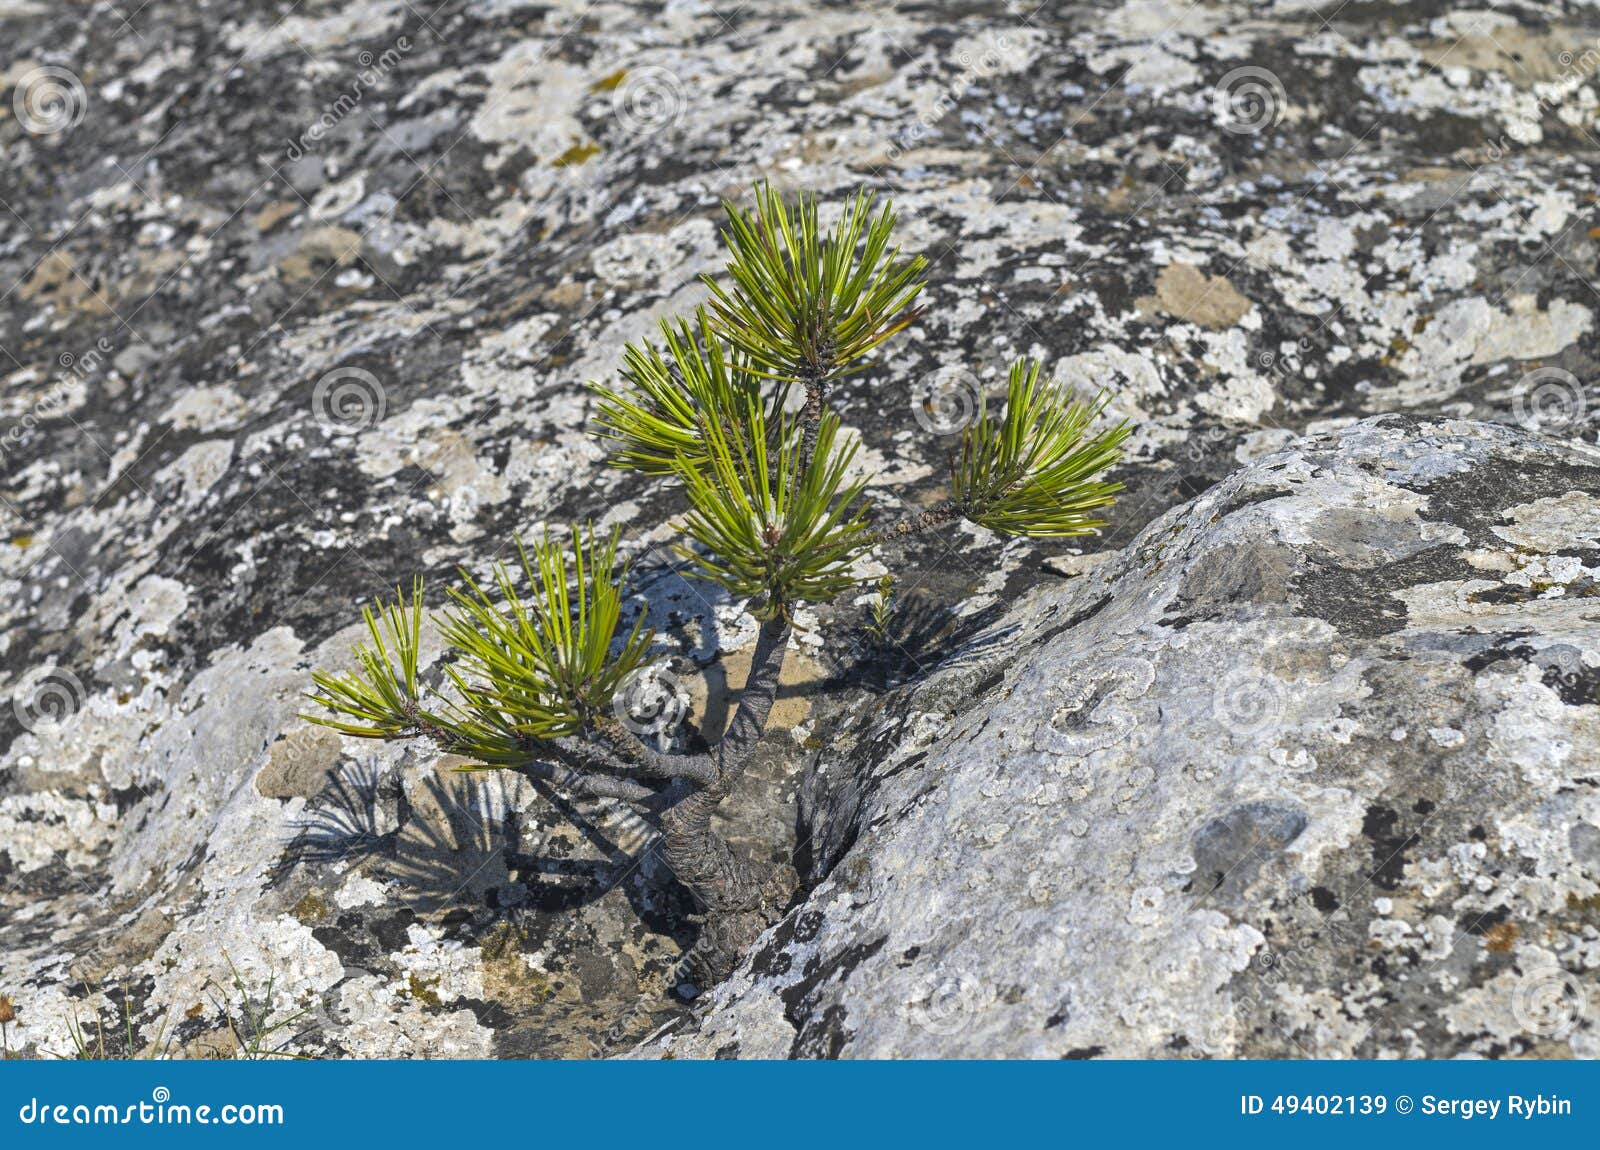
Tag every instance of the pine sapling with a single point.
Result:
(775, 514)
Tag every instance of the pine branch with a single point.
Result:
(542, 668)
(577, 776)
(635, 757)
(804, 305)
(1033, 471)
(947, 511)
(378, 700)
(657, 420)
(775, 528)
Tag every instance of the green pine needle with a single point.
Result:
(1033, 471)
(772, 527)
(660, 416)
(804, 305)
(378, 700)
(528, 668)
(543, 667)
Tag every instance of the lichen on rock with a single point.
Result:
(294, 307)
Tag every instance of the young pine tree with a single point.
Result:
(773, 515)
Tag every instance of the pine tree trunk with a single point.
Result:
(727, 894)
(735, 903)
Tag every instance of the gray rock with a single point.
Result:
(252, 373)
(1312, 768)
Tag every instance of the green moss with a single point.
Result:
(506, 976)
(502, 942)
(575, 155)
(1590, 904)
(312, 909)
(609, 83)
(536, 987)
(422, 990)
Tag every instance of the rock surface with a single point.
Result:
(1311, 769)
(298, 299)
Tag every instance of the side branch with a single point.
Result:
(935, 516)
(637, 758)
(574, 778)
(580, 768)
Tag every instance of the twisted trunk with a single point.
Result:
(735, 903)
(727, 893)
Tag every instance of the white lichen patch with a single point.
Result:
(1554, 523)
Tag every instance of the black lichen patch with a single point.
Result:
(1474, 499)
(1390, 841)
(822, 1035)
(1359, 603)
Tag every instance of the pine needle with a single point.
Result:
(1032, 472)
(804, 305)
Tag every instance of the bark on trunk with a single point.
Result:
(727, 894)
(735, 903)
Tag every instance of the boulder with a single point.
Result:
(1310, 769)
(267, 353)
